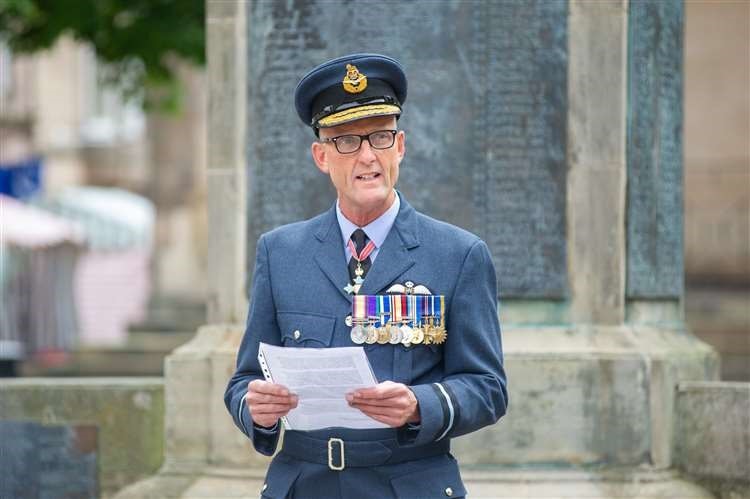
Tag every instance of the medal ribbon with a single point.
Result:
(381, 310)
(437, 307)
(405, 309)
(359, 310)
(369, 248)
(417, 308)
(396, 308)
(371, 305)
(441, 312)
(378, 307)
(385, 309)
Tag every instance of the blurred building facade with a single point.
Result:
(57, 104)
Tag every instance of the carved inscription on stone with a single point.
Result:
(40, 461)
(522, 178)
(655, 258)
(485, 119)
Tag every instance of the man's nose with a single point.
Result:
(366, 153)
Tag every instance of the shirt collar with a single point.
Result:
(377, 230)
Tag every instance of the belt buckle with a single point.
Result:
(330, 454)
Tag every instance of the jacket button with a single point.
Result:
(449, 492)
(348, 320)
(297, 334)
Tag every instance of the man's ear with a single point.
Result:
(320, 156)
(401, 144)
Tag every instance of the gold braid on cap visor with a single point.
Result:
(357, 113)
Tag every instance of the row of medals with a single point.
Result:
(430, 332)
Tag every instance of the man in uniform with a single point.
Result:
(438, 379)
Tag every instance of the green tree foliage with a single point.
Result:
(138, 40)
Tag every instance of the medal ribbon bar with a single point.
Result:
(411, 319)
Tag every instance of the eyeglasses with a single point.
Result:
(348, 144)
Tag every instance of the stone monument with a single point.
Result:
(552, 129)
(40, 461)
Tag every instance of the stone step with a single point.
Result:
(163, 341)
(481, 483)
(142, 355)
(171, 314)
(102, 362)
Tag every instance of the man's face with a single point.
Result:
(364, 180)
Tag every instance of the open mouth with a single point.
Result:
(368, 176)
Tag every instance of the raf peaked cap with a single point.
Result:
(350, 88)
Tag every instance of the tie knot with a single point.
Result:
(360, 239)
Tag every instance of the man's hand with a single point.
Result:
(388, 402)
(268, 402)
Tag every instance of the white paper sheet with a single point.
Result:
(321, 378)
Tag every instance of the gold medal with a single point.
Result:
(428, 332)
(417, 336)
(440, 335)
(384, 335)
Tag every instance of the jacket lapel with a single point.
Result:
(330, 255)
(393, 258)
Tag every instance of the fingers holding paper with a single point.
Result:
(268, 402)
(391, 403)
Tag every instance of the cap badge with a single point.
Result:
(354, 81)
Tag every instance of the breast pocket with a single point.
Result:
(425, 358)
(305, 330)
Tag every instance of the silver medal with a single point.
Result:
(406, 333)
(396, 335)
(358, 334)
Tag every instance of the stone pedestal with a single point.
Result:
(591, 417)
(202, 444)
(589, 397)
(125, 416)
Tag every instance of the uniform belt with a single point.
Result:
(339, 453)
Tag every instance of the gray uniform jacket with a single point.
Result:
(298, 285)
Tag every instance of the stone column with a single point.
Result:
(227, 215)
(203, 448)
(199, 430)
(597, 171)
